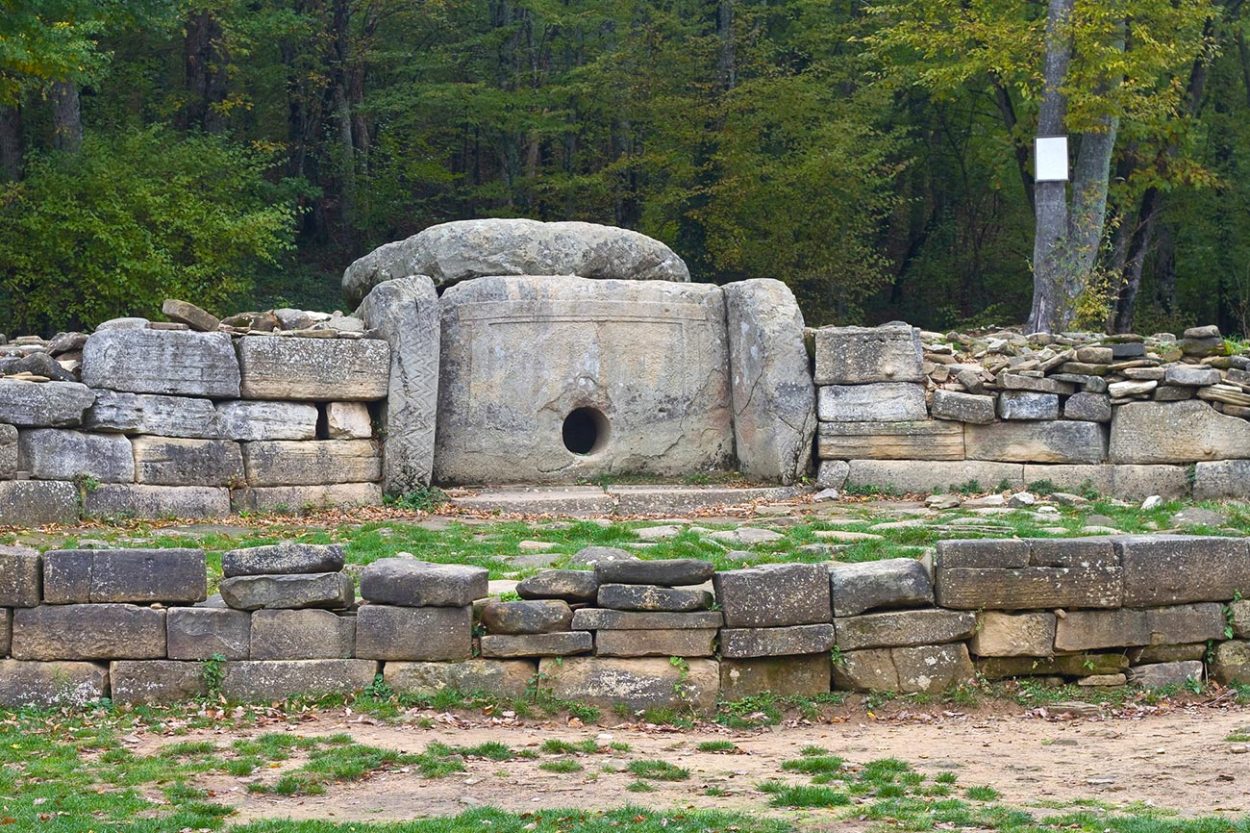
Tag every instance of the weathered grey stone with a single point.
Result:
(1026, 405)
(569, 585)
(932, 668)
(286, 557)
(1065, 665)
(200, 633)
(141, 682)
(57, 454)
(411, 583)
(796, 676)
(1176, 432)
(311, 463)
(1019, 381)
(1238, 617)
(348, 421)
(672, 572)
(188, 313)
(595, 618)
(414, 633)
(281, 679)
(1162, 674)
(529, 363)
(299, 498)
(48, 684)
(636, 684)
(832, 474)
(903, 627)
(1173, 569)
(43, 404)
(505, 679)
(682, 642)
(1128, 482)
(1231, 662)
(456, 251)
(171, 576)
(35, 503)
(1192, 375)
(404, 311)
(774, 595)
(1091, 629)
(160, 361)
(912, 440)
(870, 585)
(1013, 634)
(774, 401)
(1185, 624)
(8, 452)
(163, 461)
(146, 413)
(1222, 479)
(313, 368)
(302, 634)
(776, 642)
(1073, 552)
(973, 588)
(858, 355)
(881, 402)
(128, 500)
(254, 420)
(21, 577)
(1000, 553)
(1091, 407)
(88, 631)
(6, 631)
(646, 597)
(963, 407)
(543, 616)
(276, 592)
(502, 646)
(933, 476)
(594, 556)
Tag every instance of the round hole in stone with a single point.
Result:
(585, 431)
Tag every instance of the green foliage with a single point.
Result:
(135, 217)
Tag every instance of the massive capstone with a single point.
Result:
(452, 252)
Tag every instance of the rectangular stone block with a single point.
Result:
(903, 627)
(738, 643)
(889, 583)
(21, 577)
(200, 633)
(251, 421)
(1073, 552)
(774, 595)
(999, 553)
(411, 583)
(1173, 569)
(857, 355)
(659, 643)
(807, 675)
(1185, 623)
(48, 684)
(1013, 634)
(162, 361)
(88, 631)
(126, 500)
(1222, 480)
(1064, 665)
(286, 557)
(348, 421)
(153, 682)
(935, 475)
(414, 633)
(8, 452)
(332, 591)
(314, 369)
(55, 454)
(882, 402)
(33, 503)
(1026, 405)
(633, 684)
(269, 680)
(921, 668)
(649, 598)
(499, 646)
(1127, 482)
(302, 634)
(913, 440)
(171, 576)
(595, 618)
(1176, 432)
(1082, 630)
(973, 588)
(963, 407)
(1163, 674)
(6, 631)
(1065, 441)
(146, 413)
(293, 499)
(504, 679)
(43, 404)
(180, 462)
(311, 463)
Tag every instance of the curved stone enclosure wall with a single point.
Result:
(134, 625)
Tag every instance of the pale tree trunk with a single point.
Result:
(1068, 233)
(11, 155)
(66, 117)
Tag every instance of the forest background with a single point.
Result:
(876, 155)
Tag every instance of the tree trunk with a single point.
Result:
(66, 117)
(727, 61)
(207, 84)
(11, 151)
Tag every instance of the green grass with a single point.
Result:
(814, 764)
(717, 746)
(561, 765)
(552, 746)
(981, 793)
(658, 771)
(809, 797)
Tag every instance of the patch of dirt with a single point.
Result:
(1177, 759)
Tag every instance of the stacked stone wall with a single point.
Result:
(136, 626)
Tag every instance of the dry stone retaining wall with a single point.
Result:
(135, 625)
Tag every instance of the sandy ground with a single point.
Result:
(1174, 758)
